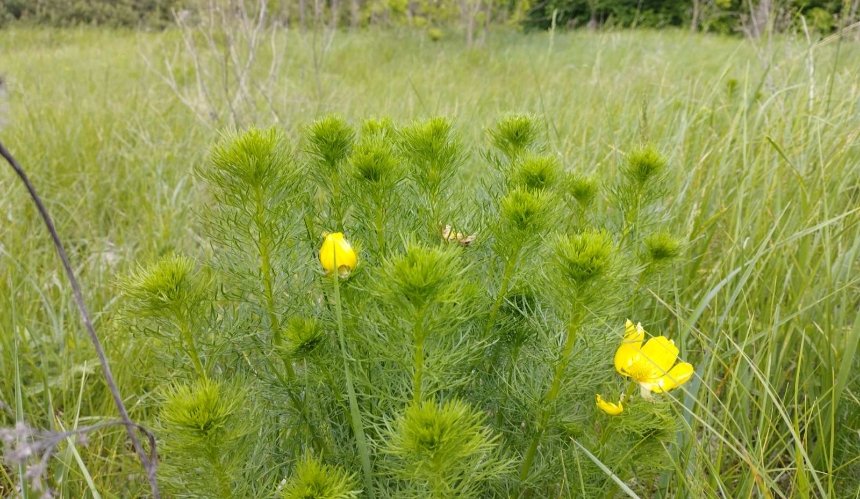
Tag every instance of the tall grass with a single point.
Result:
(763, 139)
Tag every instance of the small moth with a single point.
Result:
(449, 235)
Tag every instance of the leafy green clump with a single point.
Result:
(644, 164)
(315, 480)
(444, 447)
(253, 158)
(202, 425)
(201, 410)
(536, 173)
(330, 141)
(515, 134)
(421, 276)
(304, 335)
(374, 161)
(584, 257)
(450, 362)
(524, 211)
(582, 189)
(662, 246)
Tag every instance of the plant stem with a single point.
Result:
(551, 396)
(380, 228)
(187, 337)
(530, 454)
(508, 273)
(631, 220)
(264, 244)
(267, 272)
(225, 489)
(515, 354)
(337, 201)
(434, 221)
(294, 398)
(418, 372)
(357, 425)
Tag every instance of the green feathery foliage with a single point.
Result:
(644, 165)
(536, 173)
(515, 134)
(168, 286)
(314, 480)
(582, 258)
(582, 189)
(661, 246)
(443, 450)
(329, 142)
(432, 154)
(445, 364)
(202, 428)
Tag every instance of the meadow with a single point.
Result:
(762, 141)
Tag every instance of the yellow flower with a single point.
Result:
(337, 253)
(651, 364)
(609, 407)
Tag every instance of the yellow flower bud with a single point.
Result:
(609, 407)
(337, 253)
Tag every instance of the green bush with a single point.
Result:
(722, 16)
(449, 345)
(116, 13)
(623, 13)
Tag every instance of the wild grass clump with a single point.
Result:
(426, 360)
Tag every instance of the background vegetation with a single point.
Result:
(472, 16)
(762, 138)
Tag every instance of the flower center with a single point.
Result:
(640, 370)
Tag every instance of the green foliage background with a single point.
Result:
(723, 16)
(761, 142)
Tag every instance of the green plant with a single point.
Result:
(417, 322)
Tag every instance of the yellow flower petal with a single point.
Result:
(337, 253)
(660, 353)
(626, 353)
(609, 407)
(676, 377)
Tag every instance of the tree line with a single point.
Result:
(473, 17)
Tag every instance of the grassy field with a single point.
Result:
(763, 141)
